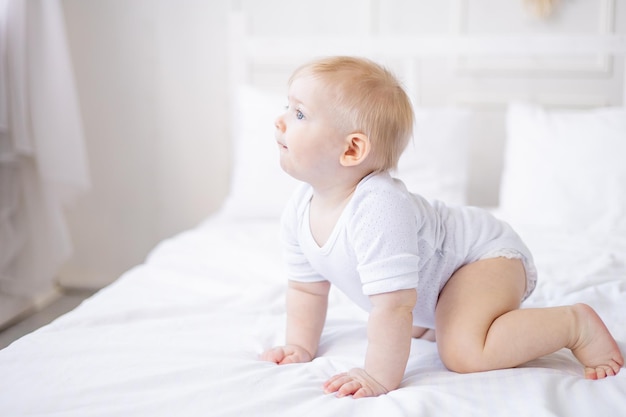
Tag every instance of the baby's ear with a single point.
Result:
(357, 148)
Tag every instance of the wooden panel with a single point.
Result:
(571, 17)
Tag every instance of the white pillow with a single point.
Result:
(259, 187)
(433, 165)
(565, 170)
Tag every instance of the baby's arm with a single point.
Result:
(389, 343)
(307, 304)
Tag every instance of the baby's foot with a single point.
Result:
(594, 347)
(423, 333)
(429, 335)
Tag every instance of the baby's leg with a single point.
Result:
(480, 326)
(423, 333)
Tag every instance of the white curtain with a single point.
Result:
(42, 156)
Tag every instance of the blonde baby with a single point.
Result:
(418, 267)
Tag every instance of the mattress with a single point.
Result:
(181, 335)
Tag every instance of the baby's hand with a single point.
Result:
(356, 382)
(282, 355)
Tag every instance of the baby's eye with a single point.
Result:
(299, 115)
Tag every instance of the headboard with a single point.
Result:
(481, 72)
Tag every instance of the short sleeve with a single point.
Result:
(384, 231)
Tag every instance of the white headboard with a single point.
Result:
(478, 71)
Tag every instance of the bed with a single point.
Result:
(181, 333)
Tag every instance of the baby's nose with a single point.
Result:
(279, 123)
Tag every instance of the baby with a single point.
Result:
(414, 265)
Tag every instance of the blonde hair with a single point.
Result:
(367, 99)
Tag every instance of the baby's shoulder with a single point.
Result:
(382, 187)
(381, 194)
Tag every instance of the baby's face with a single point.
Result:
(309, 142)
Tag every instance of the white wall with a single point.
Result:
(152, 78)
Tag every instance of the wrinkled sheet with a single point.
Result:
(181, 334)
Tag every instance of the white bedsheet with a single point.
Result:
(180, 336)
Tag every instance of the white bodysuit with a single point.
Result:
(388, 239)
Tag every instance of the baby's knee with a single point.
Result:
(462, 361)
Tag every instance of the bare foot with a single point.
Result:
(594, 347)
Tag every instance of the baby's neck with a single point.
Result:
(326, 207)
(323, 216)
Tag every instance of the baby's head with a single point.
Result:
(365, 98)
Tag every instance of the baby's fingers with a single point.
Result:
(287, 359)
(349, 388)
(342, 384)
(334, 383)
(357, 383)
(276, 355)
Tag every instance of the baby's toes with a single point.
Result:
(590, 373)
(599, 372)
(616, 365)
(612, 368)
